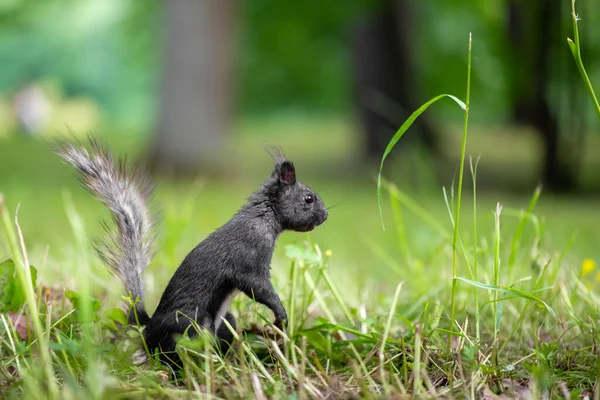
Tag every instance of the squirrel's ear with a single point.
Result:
(287, 173)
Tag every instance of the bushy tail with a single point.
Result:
(127, 192)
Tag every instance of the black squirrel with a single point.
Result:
(234, 258)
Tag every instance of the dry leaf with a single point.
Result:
(19, 321)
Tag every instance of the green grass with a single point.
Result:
(498, 301)
(354, 329)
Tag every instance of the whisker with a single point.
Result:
(334, 205)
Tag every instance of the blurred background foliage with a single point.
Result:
(329, 81)
(287, 56)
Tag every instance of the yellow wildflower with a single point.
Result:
(588, 266)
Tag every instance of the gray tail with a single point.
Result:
(127, 192)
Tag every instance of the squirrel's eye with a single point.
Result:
(309, 198)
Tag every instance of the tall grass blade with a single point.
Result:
(455, 238)
(386, 332)
(417, 385)
(497, 306)
(575, 47)
(475, 241)
(400, 132)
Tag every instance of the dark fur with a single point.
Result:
(236, 257)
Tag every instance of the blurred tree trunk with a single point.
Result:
(196, 89)
(532, 29)
(383, 74)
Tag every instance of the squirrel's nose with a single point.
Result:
(325, 215)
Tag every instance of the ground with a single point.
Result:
(370, 307)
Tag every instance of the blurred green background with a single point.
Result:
(194, 89)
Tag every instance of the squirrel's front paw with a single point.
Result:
(281, 321)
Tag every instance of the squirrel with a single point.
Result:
(235, 258)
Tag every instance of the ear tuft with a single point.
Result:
(276, 153)
(284, 171)
(287, 172)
